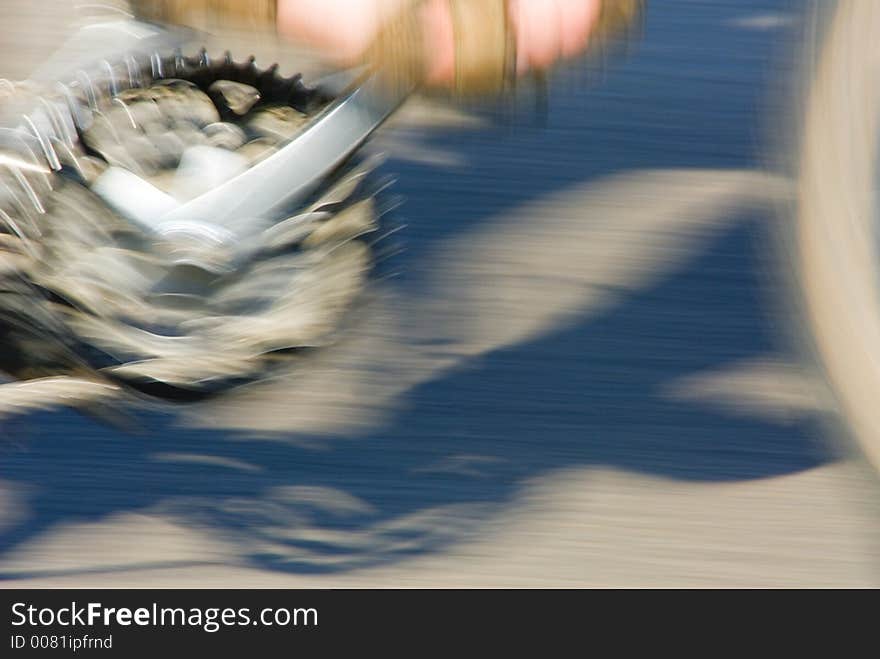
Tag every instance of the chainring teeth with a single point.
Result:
(58, 235)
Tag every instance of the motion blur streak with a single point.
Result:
(507, 281)
(577, 375)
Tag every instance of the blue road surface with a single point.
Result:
(693, 93)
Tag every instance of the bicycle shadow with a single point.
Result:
(421, 431)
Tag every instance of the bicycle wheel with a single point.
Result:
(836, 239)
